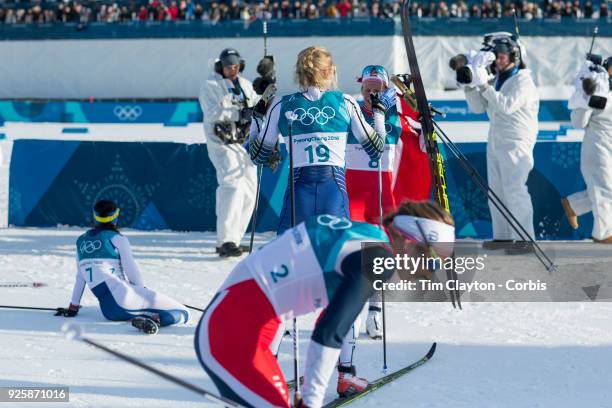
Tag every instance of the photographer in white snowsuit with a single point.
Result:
(227, 99)
(499, 84)
(591, 106)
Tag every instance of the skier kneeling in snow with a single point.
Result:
(318, 264)
(105, 263)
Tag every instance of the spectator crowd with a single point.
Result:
(83, 12)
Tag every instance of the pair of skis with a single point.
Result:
(377, 384)
(418, 99)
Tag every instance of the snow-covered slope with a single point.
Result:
(489, 354)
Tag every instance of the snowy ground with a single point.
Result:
(489, 354)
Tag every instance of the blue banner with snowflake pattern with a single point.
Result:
(172, 186)
(188, 111)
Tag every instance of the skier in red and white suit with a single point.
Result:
(362, 172)
(404, 174)
(320, 263)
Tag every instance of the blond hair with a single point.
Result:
(315, 67)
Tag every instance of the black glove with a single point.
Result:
(383, 101)
(245, 115)
(464, 75)
(224, 131)
(598, 102)
(260, 109)
(71, 311)
(261, 83)
(275, 158)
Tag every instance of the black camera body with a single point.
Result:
(232, 132)
(595, 59)
(459, 64)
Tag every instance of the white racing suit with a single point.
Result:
(513, 112)
(106, 264)
(236, 174)
(595, 165)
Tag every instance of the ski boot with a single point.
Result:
(348, 382)
(148, 325)
(374, 323)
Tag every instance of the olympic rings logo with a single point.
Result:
(127, 112)
(89, 247)
(333, 222)
(313, 114)
(388, 128)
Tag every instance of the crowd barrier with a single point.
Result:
(373, 26)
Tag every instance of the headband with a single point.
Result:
(107, 219)
(438, 234)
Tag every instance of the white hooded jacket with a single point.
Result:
(596, 167)
(218, 102)
(513, 110)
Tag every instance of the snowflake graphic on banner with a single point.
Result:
(566, 155)
(199, 195)
(548, 227)
(130, 197)
(468, 205)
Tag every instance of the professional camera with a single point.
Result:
(595, 80)
(595, 59)
(464, 64)
(267, 74)
(493, 43)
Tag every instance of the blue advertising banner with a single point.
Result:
(171, 113)
(188, 111)
(172, 186)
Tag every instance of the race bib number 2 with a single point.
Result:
(279, 274)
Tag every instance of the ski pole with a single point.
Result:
(291, 116)
(194, 308)
(53, 309)
(516, 28)
(265, 34)
(22, 285)
(595, 31)
(497, 202)
(382, 293)
(259, 167)
(254, 216)
(74, 332)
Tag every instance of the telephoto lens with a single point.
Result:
(458, 61)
